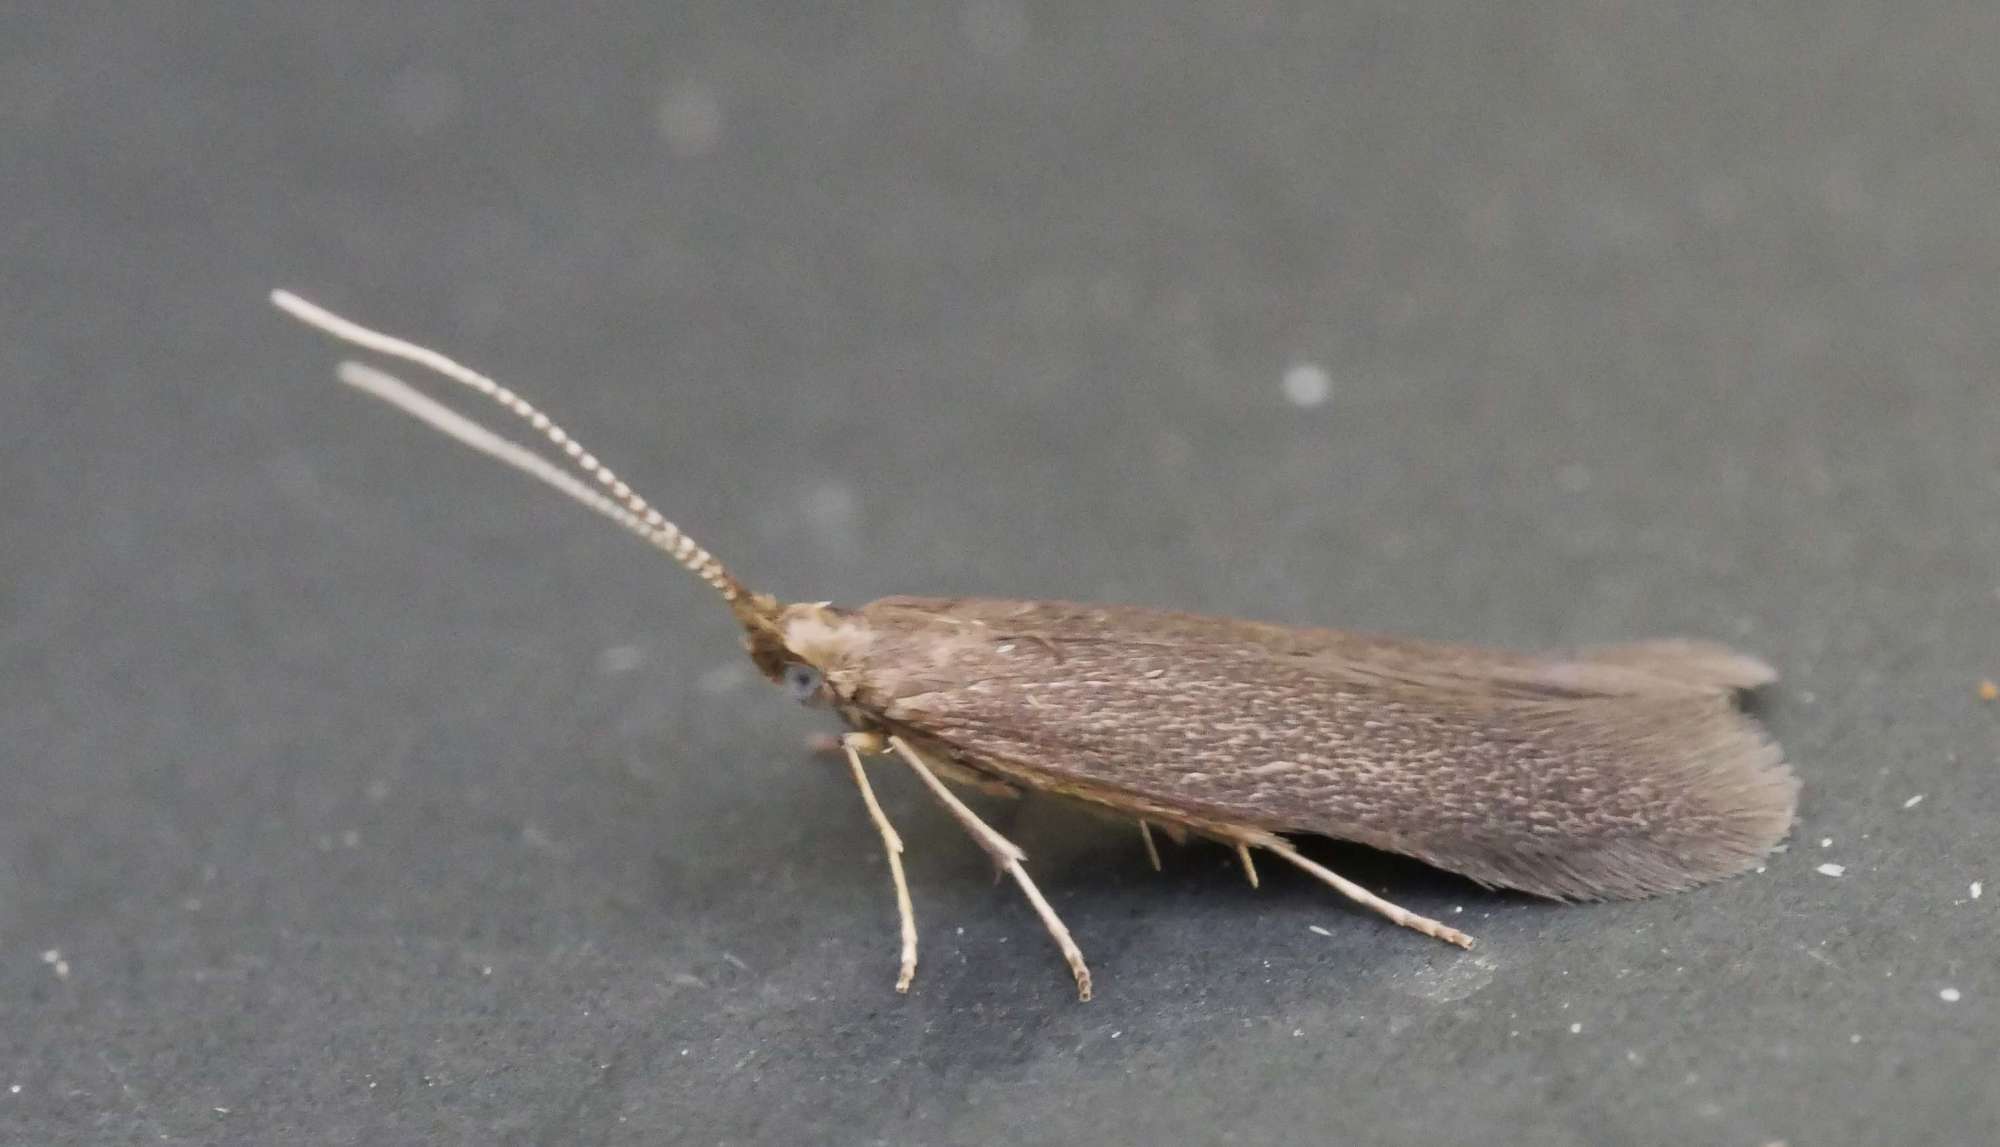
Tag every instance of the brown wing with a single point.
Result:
(1616, 773)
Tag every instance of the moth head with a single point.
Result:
(810, 650)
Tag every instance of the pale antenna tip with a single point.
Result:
(288, 302)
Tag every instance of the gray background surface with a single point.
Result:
(372, 796)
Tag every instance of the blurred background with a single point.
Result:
(352, 790)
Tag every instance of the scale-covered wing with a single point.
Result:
(1617, 773)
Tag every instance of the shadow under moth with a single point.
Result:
(1614, 772)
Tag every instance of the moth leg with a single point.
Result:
(1249, 866)
(1152, 853)
(1008, 856)
(979, 782)
(1360, 895)
(871, 744)
(893, 844)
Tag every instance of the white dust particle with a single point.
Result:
(1761, 870)
(1949, 995)
(486, 969)
(620, 659)
(52, 955)
(690, 119)
(220, 1110)
(1307, 384)
(1318, 930)
(54, 959)
(1826, 842)
(14, 1090)
(1914, 801)
(1115, 1035)
(1975, 888)
(1633, 1057)
(1457, 908)
(1576, 1029)
(1855, 1038)
(1297, 1032)
(1832, 869)
(994, 28)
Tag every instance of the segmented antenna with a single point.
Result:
(623, 505)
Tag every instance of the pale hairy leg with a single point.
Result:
(1007, 856)
(1355, 892)
(893, 844)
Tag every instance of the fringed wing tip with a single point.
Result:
(1705, 664)
(1727, 797)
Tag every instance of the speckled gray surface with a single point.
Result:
(371, 796)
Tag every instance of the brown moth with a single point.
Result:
(1603, 773)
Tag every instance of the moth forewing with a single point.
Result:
(1620, 771)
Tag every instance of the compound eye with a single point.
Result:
(803, 682)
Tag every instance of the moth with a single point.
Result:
(1614, 772)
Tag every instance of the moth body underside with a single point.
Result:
(1608, 773)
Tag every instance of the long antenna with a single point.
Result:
(622, 505)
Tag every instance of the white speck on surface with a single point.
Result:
(690, 119)
(1115, 1035)
(220, 1110)
(1832, 869)
(995, 28)
(52, 955)
(1949, 995)
(1761, 870)
(1457, 908)
(1576, 1029)
(1632, 1056)
(486, 969)
(1826, 842)
(1914, 801)
(620, 659)
(1317, 930)
(1975, 888)
(1297, 1032)
(1307, 384)
(1855, 1038)
(14, 1090)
